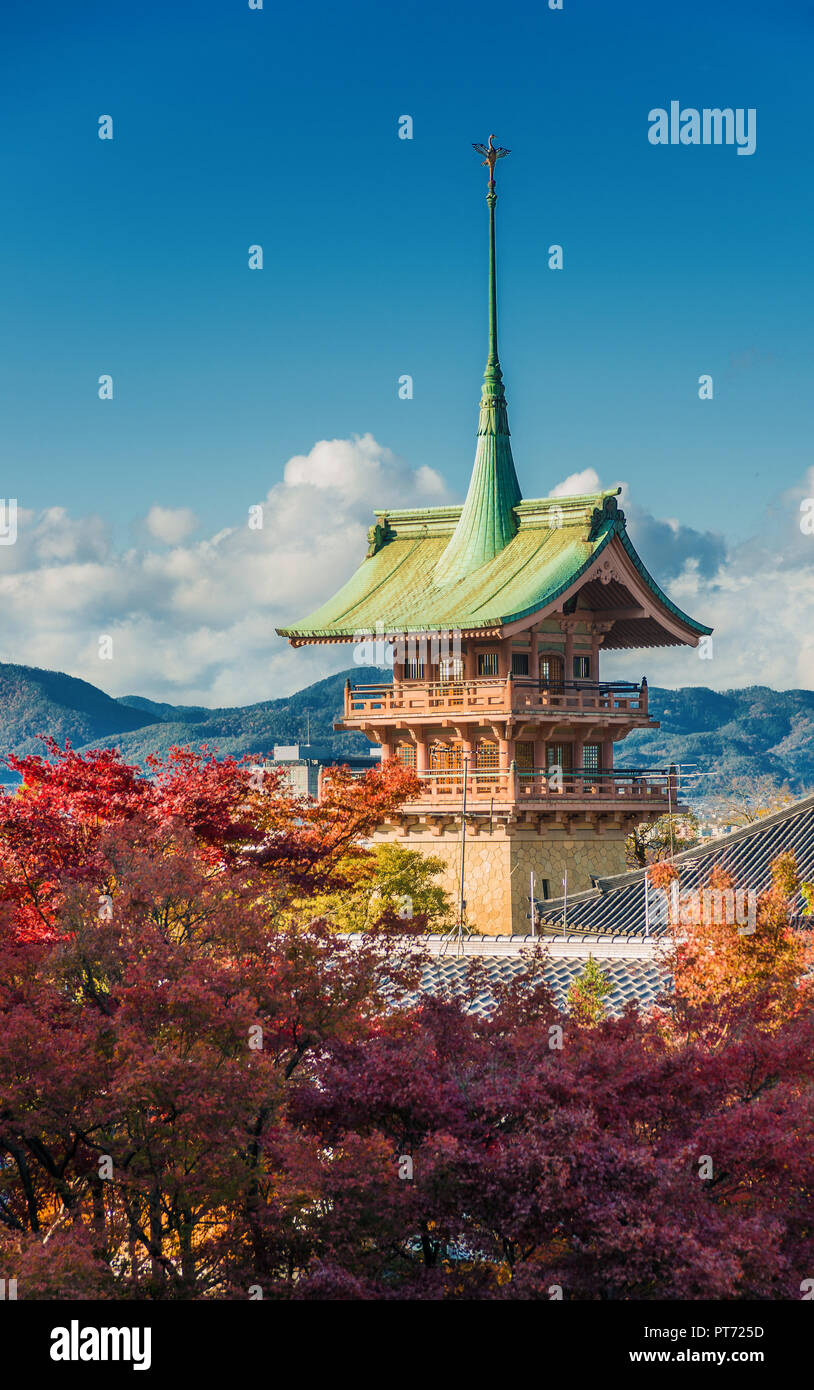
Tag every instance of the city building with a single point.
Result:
(302, 764)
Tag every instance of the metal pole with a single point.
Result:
(462, 906)
(564, 901)
(646, 904)
(670, 807)
(533, 912)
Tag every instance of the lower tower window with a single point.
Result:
(591, 758)
(524, 757)
(560, 755)
(446, 762)
(487, 761)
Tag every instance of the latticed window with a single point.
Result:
(582, 668)
(524, 757)
(487, 663)
(451, 668)
(560, 755)
(551, 671)
(520, 663)
(487, 762)
(488, 756)
(591, 757)
(405, 754)
(414, 669)
(446, 761)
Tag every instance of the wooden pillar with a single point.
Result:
(534, 654)
(595, 640)
(421, 753)
(569, 655)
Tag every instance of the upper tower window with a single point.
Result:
(520, 663)
(551, 671)
(451, 668)
(487, 663)
(582, 668)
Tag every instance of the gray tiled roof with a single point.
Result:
(616, 906)
(640, 980)
(608, 921)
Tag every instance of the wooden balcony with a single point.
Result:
(493, 696)
(625, 788)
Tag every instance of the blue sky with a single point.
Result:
(279, 127)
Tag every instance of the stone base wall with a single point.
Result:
(499, 866)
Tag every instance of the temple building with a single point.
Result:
(497, 613)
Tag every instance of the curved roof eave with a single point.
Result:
(614, 529)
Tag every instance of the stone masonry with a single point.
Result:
(499, 865)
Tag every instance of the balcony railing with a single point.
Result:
(445, 787)
(511, 695)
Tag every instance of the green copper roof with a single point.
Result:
(556, 540)
(487, 521)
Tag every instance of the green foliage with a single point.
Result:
(586, 994)
(401, 881)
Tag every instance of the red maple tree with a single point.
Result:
(206, 1090)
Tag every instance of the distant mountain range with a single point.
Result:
(35, 702)
(756, 732)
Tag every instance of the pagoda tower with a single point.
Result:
(495, 614)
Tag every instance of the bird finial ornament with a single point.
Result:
(492, 153)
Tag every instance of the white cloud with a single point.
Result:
(195, 623)
(171, 524)
(577, 483)
(758, 597)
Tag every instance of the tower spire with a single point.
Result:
(487, 521)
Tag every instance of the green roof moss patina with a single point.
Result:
(556, 542)
(497, 559)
